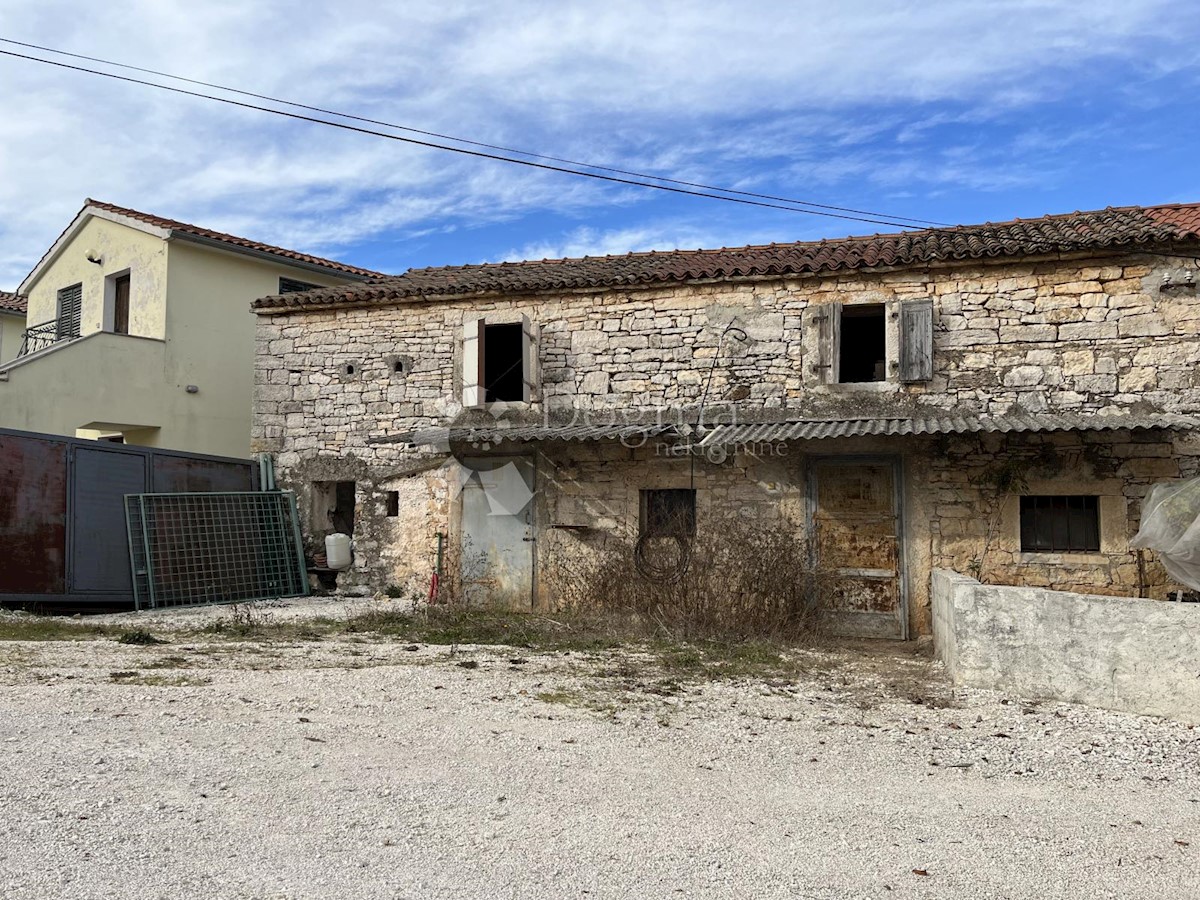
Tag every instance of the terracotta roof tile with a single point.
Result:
(233, 240)
(10, 302)
(1105, 229)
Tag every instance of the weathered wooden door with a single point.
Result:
(855, 523)
(497, 532)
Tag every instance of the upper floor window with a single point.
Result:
(292, 286)
(120, 324)
(499, 362)
(853, 347)
(70, 312)
(862, 355)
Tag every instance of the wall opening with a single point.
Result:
(503, 363)
(116, 301)
(668, 512)
(1062, 524)
(333, 505)
(863, 352)
(392, 504)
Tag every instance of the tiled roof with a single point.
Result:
(233, 240)
(1107, 229)
(1103, 229)
(10, 302)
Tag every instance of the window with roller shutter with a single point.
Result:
(70, 312)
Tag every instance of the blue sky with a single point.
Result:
(955, 112)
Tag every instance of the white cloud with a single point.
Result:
(719, 92)
(587, 241)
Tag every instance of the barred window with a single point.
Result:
(1060, 524)
(670, 512)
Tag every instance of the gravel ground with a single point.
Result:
(365, 769)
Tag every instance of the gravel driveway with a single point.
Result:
(360, 769)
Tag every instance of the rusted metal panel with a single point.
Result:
(855, 522)
(183, 474)
(62, 525)
(33, 515)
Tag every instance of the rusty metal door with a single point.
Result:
(857, 538)
(497, 531)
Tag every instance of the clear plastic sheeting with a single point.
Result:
(1171, 528)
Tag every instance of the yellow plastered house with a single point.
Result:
(137, 328)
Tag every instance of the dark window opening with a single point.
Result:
(863, 352)
(503, 363)
(292, 286)
(333, 505)
(121, 305)
(70, 312)
(1066, 524)
(393, 504)
(398, 367)
(349, 368)
(668, 512)
(112, 438)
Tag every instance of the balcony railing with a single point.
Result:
(47, 334)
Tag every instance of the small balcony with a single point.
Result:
(39, 337)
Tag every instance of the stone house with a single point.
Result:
(995, 399)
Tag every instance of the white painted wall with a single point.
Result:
(12, 326)
(1123, 653)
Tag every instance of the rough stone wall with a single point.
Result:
(1078, 335)
(975, 526)
(1061, 335)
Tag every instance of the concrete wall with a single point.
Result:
(210, 341)
(12, 326)
(1139, 656)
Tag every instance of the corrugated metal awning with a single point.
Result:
(501, 432)
(819, 429)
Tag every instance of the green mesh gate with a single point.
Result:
(188, 549)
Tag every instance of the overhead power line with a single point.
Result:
(636, 179)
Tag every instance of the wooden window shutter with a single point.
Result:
(529, 360)
(827, 319)
(473, 395)
(916, 340)
(70, 312)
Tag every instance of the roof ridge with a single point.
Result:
(789, 245)
(232, 239)
(1093, 230)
